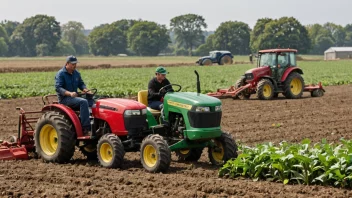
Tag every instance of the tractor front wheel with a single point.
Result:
(265, 89)
(190, 155)
(155, 154)
(239, 83)
(54, 138)
(226, 60)
(207, 62)
(317, 93)
(294, 86)
(225, 149)
(110, 151)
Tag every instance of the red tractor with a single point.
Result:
(118, 125)
(276, 72)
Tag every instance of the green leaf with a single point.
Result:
(306, 141)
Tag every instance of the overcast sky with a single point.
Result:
(93, 13)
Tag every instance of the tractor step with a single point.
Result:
(86, 137)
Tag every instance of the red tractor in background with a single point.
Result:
(276, 72)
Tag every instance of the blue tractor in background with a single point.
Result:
(219, 57)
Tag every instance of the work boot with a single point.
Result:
(87, 132)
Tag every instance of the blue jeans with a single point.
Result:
(81, 104)
(155, 105)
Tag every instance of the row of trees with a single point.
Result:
(42, 35)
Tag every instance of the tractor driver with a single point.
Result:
(155, 84)
(67, 80)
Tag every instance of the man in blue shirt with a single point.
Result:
(67, 80)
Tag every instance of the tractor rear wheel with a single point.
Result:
(226, 60)
(155, 153)
(224, 150)
(294, 86)
(90, 151)
(207, 62)
(239, 83)
(265, 89)
(317, 93)
(110, 151)
(190, 155)
(54, 138)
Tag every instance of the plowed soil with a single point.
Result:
(250, 122)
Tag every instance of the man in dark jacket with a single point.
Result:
(67, 80)
(154, 96)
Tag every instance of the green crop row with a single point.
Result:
(321, 163)
(128, 81)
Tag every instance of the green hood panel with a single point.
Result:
(192, 98)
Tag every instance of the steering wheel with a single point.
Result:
(94, 91)
(164, 88)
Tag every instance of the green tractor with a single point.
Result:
(188, 123)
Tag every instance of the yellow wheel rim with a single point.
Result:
(184, 151)
(296, 86)
(106, 152)
(218, 155)
(267, 91)
(48, 139)
(150, 156)
(90, 148)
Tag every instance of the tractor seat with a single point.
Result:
(143, 98)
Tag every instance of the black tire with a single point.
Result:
(265, 89)
(90, 151)
(317, 93)
(192, 156)
(226, 60)
(239, 83)
(293, 91)
(207, 62)
(110, 151)
(155, 154)
(228, 150)
(54, 138)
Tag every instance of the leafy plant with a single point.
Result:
(304, 163)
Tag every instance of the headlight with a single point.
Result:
(249, 76)
(218, 108)
(132, 112)
(144, 111)
(202, 109)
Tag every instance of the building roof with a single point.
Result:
(339, 49)
(221, 51)
(277, 50)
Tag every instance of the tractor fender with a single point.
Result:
(289, 71)
(271, 79)
(69, 112)
(227, 55)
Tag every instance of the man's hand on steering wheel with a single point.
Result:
(90, 92)
(165, 89)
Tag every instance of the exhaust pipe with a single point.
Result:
(198, 82)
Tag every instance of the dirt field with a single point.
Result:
(248, 121)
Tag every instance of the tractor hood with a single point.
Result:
(205, 57)
(191, 98)
(258, 72)
(119, 104)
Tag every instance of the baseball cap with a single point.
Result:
(71, 59)
(161, 70)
